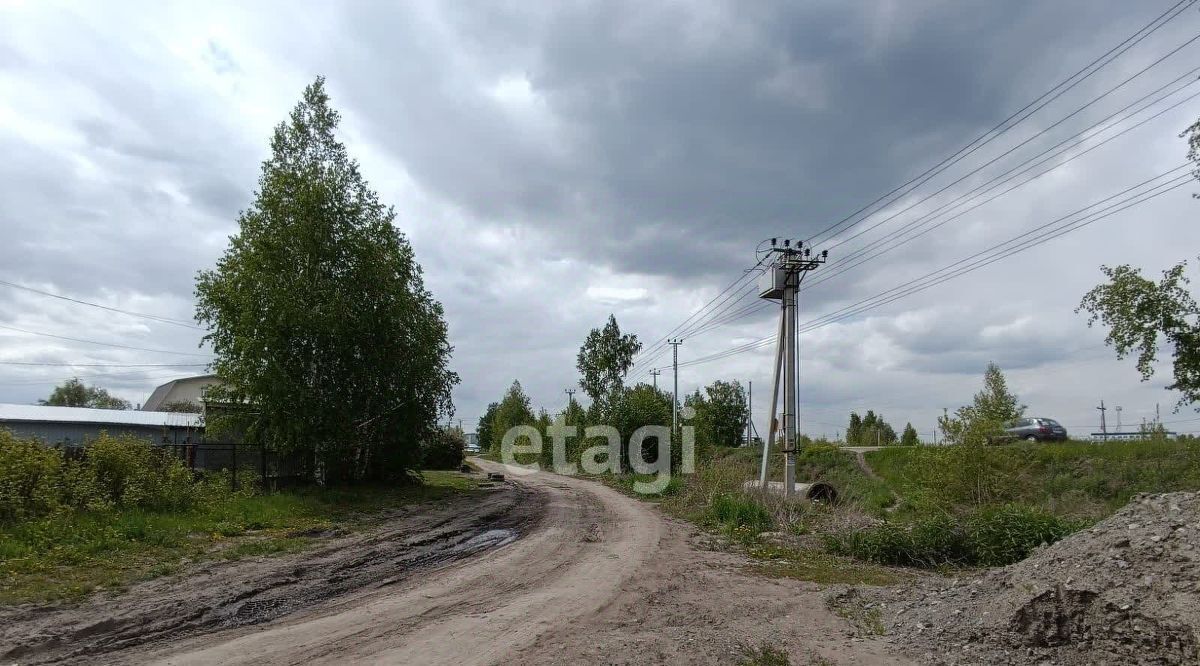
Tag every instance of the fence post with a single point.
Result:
(262, 467)
(235, 483)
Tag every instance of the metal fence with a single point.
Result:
(243, 462)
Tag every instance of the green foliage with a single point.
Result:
(66, 553)
(30, 477)
(1138, 312)
(512, 411)
(739, 515)
(318, 315)
(909, 438)
(485, 432)
(443, 449)
(113, 473)
(992, 409)
(993, 536)
(764, 655)
(182, 406)
(1077, 479)
(74, 393)
(869, 430)
(604, 359)
(721, 414)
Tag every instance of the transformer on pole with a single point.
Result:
(781, 281)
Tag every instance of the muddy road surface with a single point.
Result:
(543, 570)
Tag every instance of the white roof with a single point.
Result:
(49, 414)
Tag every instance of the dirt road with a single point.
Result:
(546, 570)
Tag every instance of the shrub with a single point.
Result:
(444, 449)
(739, 511)
(993, 536)
(30, 477)
(113, 473)
(1007, 534)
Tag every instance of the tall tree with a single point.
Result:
(720, 413)
(486, 422)
(329, 346)
(987, 415)
(854, 429)
(1139, 313)
(74, 393)
(604, 359)
(513, 410)
(909, 438)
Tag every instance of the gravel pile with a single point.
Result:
(1124, 592)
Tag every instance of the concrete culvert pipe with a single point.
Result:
(817, 493)
(821, 493)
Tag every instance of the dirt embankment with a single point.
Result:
(220, 595)
(1126, 591)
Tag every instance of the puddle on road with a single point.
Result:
(483, 541)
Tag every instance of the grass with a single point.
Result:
(819, 566)
(66, 556)
(763, 655)
(1078, 480)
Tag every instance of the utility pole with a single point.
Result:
(675, 393)
(1118, 408)
(570, 397)
(655, 372)
(1103, 425)
(782, 281)
(749, 409)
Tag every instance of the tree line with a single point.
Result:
(718, 412)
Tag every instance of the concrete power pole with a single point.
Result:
(782, 281)
(570, 397)
(675, 393)
(1103, 425)
(655, 372)
(1118, 408)
(749, 409)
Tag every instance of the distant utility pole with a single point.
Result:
(675, 393)
(570, 397)
(781, 281)
(655, 372)
(749, 409)
(1103, 425)
(1118, 408)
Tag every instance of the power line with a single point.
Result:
(859, 257)
(914, 286)
(97, 342)
(1000, 128)
(143, 315)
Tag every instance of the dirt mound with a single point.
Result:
(1126, 591)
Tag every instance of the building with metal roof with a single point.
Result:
(77, 425)
(185, 390)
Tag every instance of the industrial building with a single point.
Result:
(72, 426)
(177, 392)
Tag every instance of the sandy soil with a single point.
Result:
(594, 577)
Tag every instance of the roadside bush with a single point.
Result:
(113, 473)
(1007, 534)
(30, 477)
(739, 514)
(993, 536)
(444, 449)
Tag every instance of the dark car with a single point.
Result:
(1036, 430)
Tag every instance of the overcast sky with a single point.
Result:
(555, 162)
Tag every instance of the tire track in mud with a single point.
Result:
(212, 596)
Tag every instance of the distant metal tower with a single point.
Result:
(781, 281)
